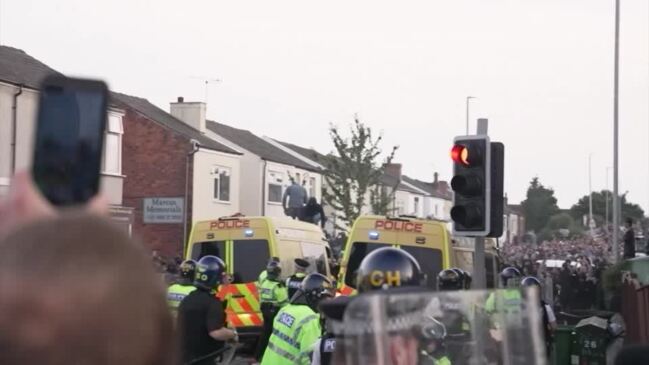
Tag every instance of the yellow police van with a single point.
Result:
(245, 244)
(427, 240)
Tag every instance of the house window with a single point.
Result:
(416, 206)
(112, 161)
(275, 181)
(221, 177)
(312, 187)
(436, 211)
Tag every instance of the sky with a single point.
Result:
(541, 72)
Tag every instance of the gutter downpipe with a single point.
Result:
(195, 147)
(263, 189)
(14, 128)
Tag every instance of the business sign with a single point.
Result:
(163, 210)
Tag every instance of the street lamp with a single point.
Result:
(590, 195)
(607, 197)
(616, 83)
(468, 98)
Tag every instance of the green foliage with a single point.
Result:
(599, 207)
(539, 205)
(353, 171)
(561, 220)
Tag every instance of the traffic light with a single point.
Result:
(497, 203)
(478, 176)
(471, 183)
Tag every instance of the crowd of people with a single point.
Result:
(570, 269)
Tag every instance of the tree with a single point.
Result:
(629, 210)
(355, 171)
(539, 205)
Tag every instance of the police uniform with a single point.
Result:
(294, 281)
(176, 293)
(272, 296)
(297, 325)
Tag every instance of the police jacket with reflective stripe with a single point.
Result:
(295, 329)
(271, 291)
(176, 293)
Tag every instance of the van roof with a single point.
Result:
(277, 222)
(408, 218)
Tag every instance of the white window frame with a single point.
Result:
(216, 173)
(312, 187)
(416, 205)
(275, 178)
(116, 130)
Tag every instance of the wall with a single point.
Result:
(205, 206)
(438, 208)
(26, 116)
(154, 162)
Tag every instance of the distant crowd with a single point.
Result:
(570, 269)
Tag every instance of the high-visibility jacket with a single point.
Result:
(427, 359)
(261, 278)
(295, 329)
(506, 307)
(176, 293)
(274, 292)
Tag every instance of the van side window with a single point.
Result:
(316, 255)
(214, 248)
(249, 259)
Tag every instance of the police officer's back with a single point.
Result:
(294, 281)
(178, 291)
(201, 317)
(297, 325)
(272, 296)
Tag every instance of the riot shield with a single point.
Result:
(443, 328)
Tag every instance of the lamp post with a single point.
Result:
(616, 82)
(468, 98)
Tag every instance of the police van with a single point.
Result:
(245, 244)
(427, 240)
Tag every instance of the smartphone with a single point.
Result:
(69, 139)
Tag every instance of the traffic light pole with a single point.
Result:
(479, 272)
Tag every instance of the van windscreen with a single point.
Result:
(249, 259)
(430, 262)
(358, 252)
(214, 248)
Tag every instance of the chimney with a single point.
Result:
(435, 178)
(393, 169)
(192, 113)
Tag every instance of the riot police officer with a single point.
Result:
(432, 347)
(294, 281)
(201, 316)
(547, 314)
(450, 279)
(297, 325)
(272, 296)
(178, 291)
(262, 275)
(387, 268)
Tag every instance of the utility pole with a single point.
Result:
(468, 98)
(590, 195)
(616, 82)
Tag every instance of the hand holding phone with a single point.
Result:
(69, 139)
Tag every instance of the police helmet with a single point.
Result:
(274, 269)
(209, 272)
(467, 280)
(187, 271)
(432, 330)
(386, 268)
(450, 279)
(510, 276)
(530, 281)
(316, 287)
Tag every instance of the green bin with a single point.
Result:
(563, 338)
(590, 342)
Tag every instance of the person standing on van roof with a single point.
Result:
(294, 199)
(294, 281)
(313, 213)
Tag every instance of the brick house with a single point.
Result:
(174, 175)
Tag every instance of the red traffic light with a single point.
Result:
(460, 154)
